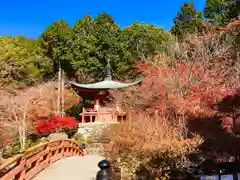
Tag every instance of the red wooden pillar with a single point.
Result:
(96, 106)
(83, 115)
(96, 101)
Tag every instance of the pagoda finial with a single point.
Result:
(108, 71)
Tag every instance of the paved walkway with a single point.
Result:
(72, 168)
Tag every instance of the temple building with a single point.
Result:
(98, 92)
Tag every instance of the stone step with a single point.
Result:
(94, 150)
(93, 141)
(95, 146)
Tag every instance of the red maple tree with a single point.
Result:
(55, 123)
(189, 88)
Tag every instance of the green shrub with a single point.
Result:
(71, 131)
(15, 147)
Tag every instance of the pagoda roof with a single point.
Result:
(106, 84)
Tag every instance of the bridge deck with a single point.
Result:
(72, 168)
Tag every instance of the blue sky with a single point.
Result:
(31, 17)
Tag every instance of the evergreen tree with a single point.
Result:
(189, 20)
(85, 49)
(22, 61)
(220, 12)
(144, 39)
(95, 42)
(57, 43)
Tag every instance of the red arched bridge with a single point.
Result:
(37, 163)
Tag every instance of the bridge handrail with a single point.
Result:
(36, 158)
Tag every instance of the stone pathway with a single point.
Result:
(72, 168)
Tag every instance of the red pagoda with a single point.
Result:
(98, 92)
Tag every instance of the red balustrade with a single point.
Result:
(25, 166)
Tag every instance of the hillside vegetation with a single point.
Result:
(187, 102)
(83, 48)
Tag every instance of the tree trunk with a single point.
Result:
(59, 90)
(24, 127)
(62, 93)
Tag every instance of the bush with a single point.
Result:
(80, 139)
(56, 124)
(15, 147)
(71, 131)
(158, 145)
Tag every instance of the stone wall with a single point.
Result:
(87, 129)
(93, 135)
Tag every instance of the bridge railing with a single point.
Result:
(25, 166)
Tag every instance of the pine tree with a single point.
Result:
(220, 12)
(189, 20)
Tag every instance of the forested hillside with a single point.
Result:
(82, 50)
(190, 87)
(84, 47)
(22, 61)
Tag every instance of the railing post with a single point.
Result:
(63, 148)
(71, 148)
(22, 174)
(105, 172)
(49, 155)
(84, 149)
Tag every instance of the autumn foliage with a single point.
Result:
(55, 124)
(41, 102)
(189, 89)
(156, 146)
(180, 92)
(190, 81)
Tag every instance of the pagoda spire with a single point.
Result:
(108, 76)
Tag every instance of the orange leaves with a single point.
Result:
(188, 87)
(161, 108)
(78, 100)
(139, 71)
(195, 98)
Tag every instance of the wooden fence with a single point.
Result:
(25, 166)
